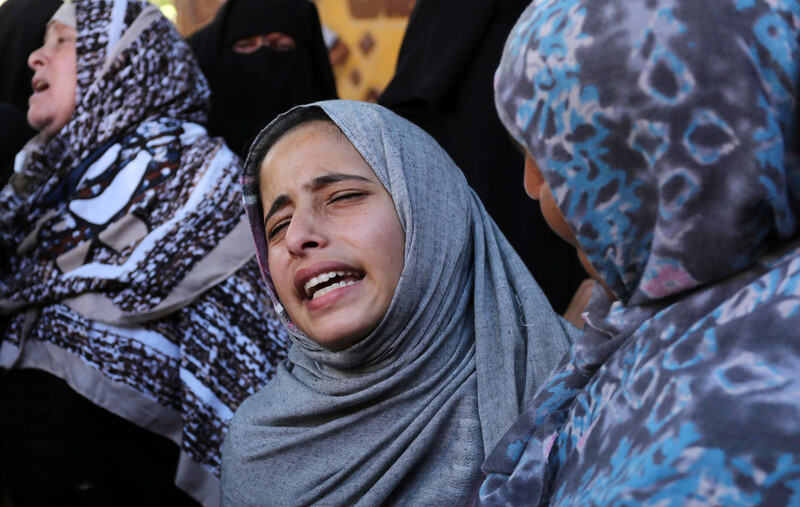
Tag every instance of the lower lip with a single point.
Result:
(331, 297)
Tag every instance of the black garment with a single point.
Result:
(250, 90)
(67, 451)
(443, 83)
(14, 133)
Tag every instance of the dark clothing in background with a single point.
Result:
(249, 90)
(443, 84)
(14, 132)
(22, 27)
(67, 451)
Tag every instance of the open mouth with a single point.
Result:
(326, 282)
(40, 86)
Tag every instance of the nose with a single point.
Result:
(305, 233)
(534, 181)
(36, 59)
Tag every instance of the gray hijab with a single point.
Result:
(408, 414)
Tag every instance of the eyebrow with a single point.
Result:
(313, 185)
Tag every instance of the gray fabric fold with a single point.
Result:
(404, 416)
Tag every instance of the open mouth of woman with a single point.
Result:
(325, 283)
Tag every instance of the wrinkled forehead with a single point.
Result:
(56, 28)
(294, 134)
(366, 138)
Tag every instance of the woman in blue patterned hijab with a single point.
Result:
(665, 135)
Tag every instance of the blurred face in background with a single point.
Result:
(54, 81)
(274, 40)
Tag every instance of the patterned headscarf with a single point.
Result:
(643, 127)
(667, 132)
(127, 266)
(404, 415)
(66, 15)
(149, 78)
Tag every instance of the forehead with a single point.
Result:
(55, 28)
(309, 150)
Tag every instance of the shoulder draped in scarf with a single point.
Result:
(667, 132)
(126, 266)
(404, 416)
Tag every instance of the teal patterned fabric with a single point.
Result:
(667, 132)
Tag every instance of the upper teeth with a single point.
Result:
(324, 277)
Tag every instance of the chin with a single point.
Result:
(339, 341)
(36, 123)
(44, 127)
(343, 317)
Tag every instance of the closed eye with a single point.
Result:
(277, 228)
(348, 195)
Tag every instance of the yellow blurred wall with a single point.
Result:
(372, 31)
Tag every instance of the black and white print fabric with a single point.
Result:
(127, 267)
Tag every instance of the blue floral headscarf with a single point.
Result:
(667, 132)
(669, 142)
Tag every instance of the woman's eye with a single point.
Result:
(284, 46)
(248, 45)
(279, 41)
(277, 228)
(345, 196)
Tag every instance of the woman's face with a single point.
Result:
(538, 189)
(54, 80)
(335, 242)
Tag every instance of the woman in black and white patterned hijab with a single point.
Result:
(127, 270)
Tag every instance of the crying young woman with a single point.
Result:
(418, 334)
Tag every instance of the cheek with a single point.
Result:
(555, 219)
(278, 272)
(67, 85)
(533, 180)
(387, 245)
(396, 241)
